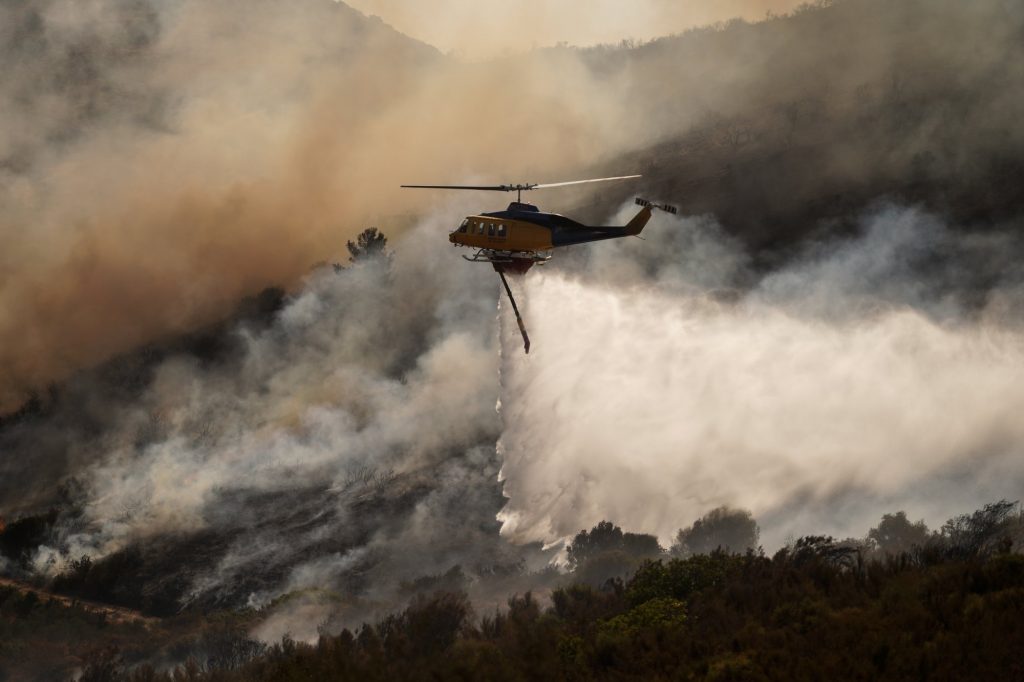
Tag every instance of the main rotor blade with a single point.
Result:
(521, 187)
(583, 182)
(486, 188)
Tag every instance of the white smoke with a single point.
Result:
(348, 430)
(836, 386)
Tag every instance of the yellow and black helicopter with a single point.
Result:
(522, 235)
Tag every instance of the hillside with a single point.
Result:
(788, 128)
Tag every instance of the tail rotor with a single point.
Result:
(667, 208)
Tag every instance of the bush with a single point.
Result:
(681, 578)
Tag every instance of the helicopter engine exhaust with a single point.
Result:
(517, 267)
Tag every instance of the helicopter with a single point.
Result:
(521, 236)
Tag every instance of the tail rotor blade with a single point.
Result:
(667, 208)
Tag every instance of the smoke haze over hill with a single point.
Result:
(454, 25)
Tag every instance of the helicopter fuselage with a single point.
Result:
(524, 228)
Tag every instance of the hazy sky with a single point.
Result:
(476, 28)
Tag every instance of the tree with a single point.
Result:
(603, 537)
(606, 552)
(985, 532)
(731, 530)
(817, 548)
(607, 537)
(370, 243)
(895, 534)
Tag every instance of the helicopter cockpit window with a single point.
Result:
(481, 231)
(501, 230)
(464, 226)
(490, 229)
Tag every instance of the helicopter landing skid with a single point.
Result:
(505, 257)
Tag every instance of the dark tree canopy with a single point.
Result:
(606, 539)
(895, 534)
(370, 243)
(731, 530)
